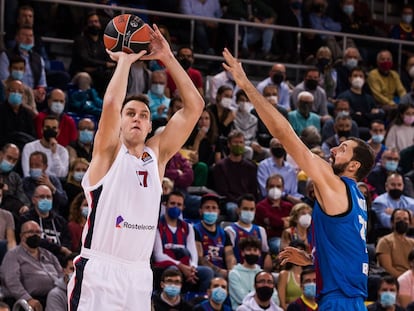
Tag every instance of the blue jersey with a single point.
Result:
(339, 242)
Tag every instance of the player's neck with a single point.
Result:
(134, 149)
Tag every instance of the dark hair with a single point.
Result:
(64, 261)
(389, 280)
(234, 134)
(138, 97)
(212, 133)
(376, 121)
(247, 197)
(50, 117)
(185, 47)
(250, 241)
(171, 271)
(400, 209)
(398, 120)
(306, 270)
(75, 208)
(260, 272)
(311, 69)
(176, 193)
(296, 243)
(274, 176)
(223, 88)
(364, 154)
(42, 154)
(356, 69)
(240, 93)
(16, 59)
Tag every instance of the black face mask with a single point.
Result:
(401, 227)
(264, 293)
(343, 133)
(185, 63)
(311, 84)
(277, 78)
(395, 193)
(251, 259)
(33, 241)
(322, 63)
(93, 30)
(49, 133)
(278, 152)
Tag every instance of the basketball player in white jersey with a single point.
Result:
(123, 188)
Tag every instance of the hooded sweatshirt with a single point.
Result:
(250, 304)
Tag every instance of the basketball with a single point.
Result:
(127, 33)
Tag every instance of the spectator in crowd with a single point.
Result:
(89, 55)
(84, 98)
(404, 31)
(213, 244)
(350, 60)
(56, 107)
(385, 204)
(261, 297)
(233, 175)
(140, 76)
(405, 280)
(406, 159)
(400, 134)
(223, 110)
(180, 171)
(57, 299)
(73, 182)
(407, 74)
(217, 294)
(57, 155)
(377, 133)
(392, 250)
(38, 176)
(302, 117)
(342, 127)
(277, 76)
(170, 296)
(78, 213)
(387, 295)
(7, 237)
(159, 103)
(29, 271)
(328, 74)
(82, 147)
(14, 199)
(384, 82)
(300, 219)
(272, 212)
(307, 301)
(218, 80)
(409, 97)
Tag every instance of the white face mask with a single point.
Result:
(272, 99)
(358, 82)
(244, 106)
(305, 220)
(57, 107)
(226, 102)
(274, 193)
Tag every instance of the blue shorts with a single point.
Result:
(335, 303)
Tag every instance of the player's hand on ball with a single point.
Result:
(159, 47)
(132, 57)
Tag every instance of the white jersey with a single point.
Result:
(124, 207)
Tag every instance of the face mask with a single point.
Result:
(93, 30)
(322, 63)
(387, 299)
(244, 106)
(385, 66)
(210, 217)
(408, 120)
(158, 89)
(185, 63)
(304, 109)
(33, 241)
(401, 227)
(351, 63)
(311, 84)
(343, 133)
(85, 211)
(17, 74)
(309, 290)
(377, 138)
(15, 99)
(305, 220)
(6, 166)
(226, 102)
(278, 152)
(173, 212)
(348, 9)
(272, 99)
(44, 205)
(85, 136)
(277, 78)
(237, 150)
(78, 175)
(49, 133)
(70, 275)
(172, 290)
(297, 5)
(357, 83)
(26, 47)
(391, 166)
(35, 173)
(407, 18)
(274, 193)
(411, 72)
(251, 259)
(395, 193)
(264, 293)
(57, 107)
(247, 217)
(218, 295)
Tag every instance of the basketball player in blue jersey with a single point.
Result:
(123, 188)
(340, 214)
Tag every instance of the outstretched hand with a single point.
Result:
(159, 47)
(132, 57)
(235, 68)
(295, 256)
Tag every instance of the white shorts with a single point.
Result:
(102, 282)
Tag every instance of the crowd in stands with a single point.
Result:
(232, 197)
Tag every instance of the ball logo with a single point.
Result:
(119, 221)
(134, 22)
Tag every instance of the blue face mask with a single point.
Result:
(247, 217)
(377, 138)
(172, 290)
(85, 136)
(35, 173)
(391, 166)
(26, 47)
(44, 205)
(6, 166)
(17, 74)
(158, 89)
(85, 211)
(218, 295)
(78, 176)
(387, 299)
(15, 99)
(173, 212)
(309, 290)
(348, 9)
(210, 217)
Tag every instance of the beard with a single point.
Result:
(339, 169)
